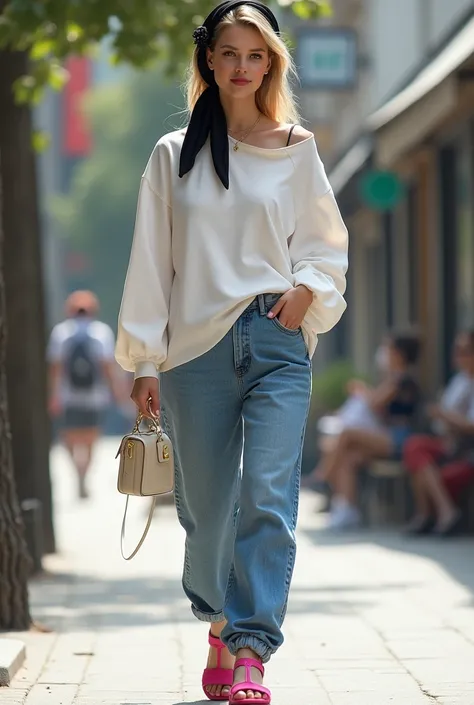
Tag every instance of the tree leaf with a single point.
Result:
(42, 49)
(40, 140)
(58, 77)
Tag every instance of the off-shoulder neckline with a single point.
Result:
(271, 150)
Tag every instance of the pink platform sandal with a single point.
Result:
(217, 676)
(248, 684)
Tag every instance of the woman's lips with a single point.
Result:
(240, 81)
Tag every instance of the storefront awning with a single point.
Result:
(451, 58)
(352, 161)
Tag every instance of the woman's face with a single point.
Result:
(240, 61)
(463, 354)
(388, 358)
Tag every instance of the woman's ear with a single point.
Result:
(269, 65)
(210, 59)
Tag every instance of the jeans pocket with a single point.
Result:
(288, 331)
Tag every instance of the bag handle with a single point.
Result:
(154, 427)
(145, 532)
(153, 421)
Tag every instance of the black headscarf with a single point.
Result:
(208, 117)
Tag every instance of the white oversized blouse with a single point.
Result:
(201, 254)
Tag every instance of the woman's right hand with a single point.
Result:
(145, 388)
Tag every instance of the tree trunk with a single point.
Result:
(25, 357)
(14, 560)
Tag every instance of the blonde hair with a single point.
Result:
(274, 98)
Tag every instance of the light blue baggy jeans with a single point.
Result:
(236, 416)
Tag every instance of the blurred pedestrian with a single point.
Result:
(394, 404)
(236, 267)
(81, 377)
(441, 465)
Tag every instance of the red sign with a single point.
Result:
(77, 140)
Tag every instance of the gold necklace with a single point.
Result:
(237, 142)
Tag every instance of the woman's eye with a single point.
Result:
(229, 53)
(256, 56)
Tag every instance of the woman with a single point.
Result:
(441, 466)
(395, 402)
(238, 263)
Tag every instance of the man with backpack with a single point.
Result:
(82, 378)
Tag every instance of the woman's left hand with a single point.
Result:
(290, 309)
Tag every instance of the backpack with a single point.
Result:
(80, 366)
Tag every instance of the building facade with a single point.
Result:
(409, 113)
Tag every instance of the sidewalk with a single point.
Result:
(373, 620)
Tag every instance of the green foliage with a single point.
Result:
(307, 10)
(141, 31)
(329, 391)
(40, 140)
(330, 388)
(97, 215)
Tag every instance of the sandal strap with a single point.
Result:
(215, 641)
(248, 663)
(218, 676)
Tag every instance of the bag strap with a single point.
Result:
(145, 532)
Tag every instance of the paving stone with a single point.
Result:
(38, 648)
(440, 670)
(13, 696)
(69, 659)
(371, 698)
(368, 681)
(42, 694)
(453, 689)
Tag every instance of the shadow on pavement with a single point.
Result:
(68, 602)
(454, 555)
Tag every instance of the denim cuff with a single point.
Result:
(207, 616)
(249, 641)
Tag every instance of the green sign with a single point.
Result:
(381, 190)
(327, 58)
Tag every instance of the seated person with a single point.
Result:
(394, 402)
(442, 466)
(354, 413)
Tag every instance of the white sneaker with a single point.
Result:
(343, 515)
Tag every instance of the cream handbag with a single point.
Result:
(146, 469)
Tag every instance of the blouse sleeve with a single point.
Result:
(319, 247)
(142, 340)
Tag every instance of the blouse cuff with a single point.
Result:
(306, 277)
(146, 369)
(320, 284)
